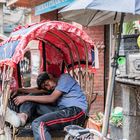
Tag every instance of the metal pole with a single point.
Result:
(111, 82)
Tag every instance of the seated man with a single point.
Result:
(70, 105)
(27, 107)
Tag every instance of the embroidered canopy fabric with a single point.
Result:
(63, 41)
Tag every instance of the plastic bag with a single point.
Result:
(117, 117)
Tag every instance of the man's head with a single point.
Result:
(44, 81)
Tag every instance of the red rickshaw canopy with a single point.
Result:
(62, 41)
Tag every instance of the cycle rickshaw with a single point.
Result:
(59, 43)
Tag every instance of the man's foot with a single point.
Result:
(12, 117)
(23, 118)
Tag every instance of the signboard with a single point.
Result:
(51, 5)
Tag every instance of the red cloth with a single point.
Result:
(54, 70)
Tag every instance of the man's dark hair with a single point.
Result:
(42, 78)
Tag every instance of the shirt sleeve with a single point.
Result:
(65, 83)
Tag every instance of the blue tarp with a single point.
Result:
(7, 50)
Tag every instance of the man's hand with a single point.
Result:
(19, 100)
(13, 94)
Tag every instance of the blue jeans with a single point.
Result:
(34, 110)
(56, 120)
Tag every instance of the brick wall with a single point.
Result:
(34, 18)
(97, 34)
(47, 16)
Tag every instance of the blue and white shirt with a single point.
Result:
(73, 95)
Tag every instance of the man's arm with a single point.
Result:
(39, 99)
(28, 90)
(31, 90)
